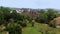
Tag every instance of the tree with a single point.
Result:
(29, 18)
(47, 16)
(16, 16)
(3, 13)
(42, 18)
(6, 12)
(51, 14)
(33, 22)
(14, 28)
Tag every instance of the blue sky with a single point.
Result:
(31, 3)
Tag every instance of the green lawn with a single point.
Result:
(31, 30)
(38, 27)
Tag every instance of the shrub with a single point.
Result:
(14, 28)
(48, 31)
(22, 23)
(52, 24)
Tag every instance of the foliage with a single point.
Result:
(42, 18)
(16, 16)
(5, 15)
(47, 16)
(14, 28)
(22, 23)
(29, 18)
(51, 14)
(52, 24)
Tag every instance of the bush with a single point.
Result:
(42, 18)
(22, 23)
(48, 31)
(14, 28)
(52, 24)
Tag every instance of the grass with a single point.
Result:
(38, 27)
(31, 30)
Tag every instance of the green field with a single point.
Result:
(36, 29)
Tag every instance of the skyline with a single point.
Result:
(42, 4)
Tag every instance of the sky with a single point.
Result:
(31, 3)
